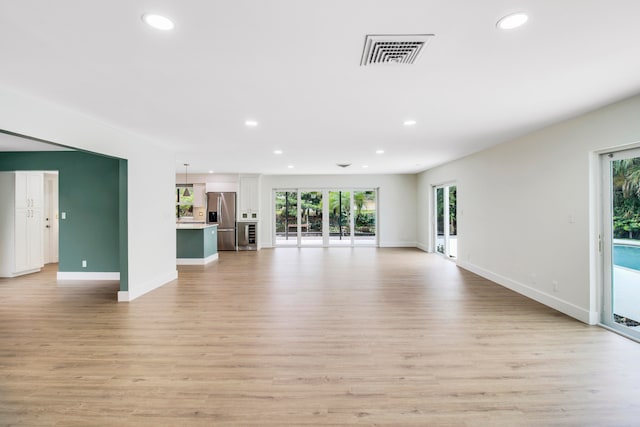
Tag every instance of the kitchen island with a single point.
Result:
(196, 244)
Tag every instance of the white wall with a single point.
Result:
(527, 209)
(151, 170)
(396, 202)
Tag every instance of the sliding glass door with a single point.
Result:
(445, 227)
(340, 218)
(621, 241)
(333, 217)
(311, 218)
(365, 207)
(286, 218)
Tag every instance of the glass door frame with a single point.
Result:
(274, 217)
(606, 240)
(324, 214)
(446, 219)
(326, 241)
(350, 237)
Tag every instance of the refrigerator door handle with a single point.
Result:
(219, 209)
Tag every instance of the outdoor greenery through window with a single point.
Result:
(626, 199)
(339, 215)
(622, 277)
(286, 210)
(325, 218)
(446, 221)
(365, 220)
(184, 204)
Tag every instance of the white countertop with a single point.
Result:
(193, 226)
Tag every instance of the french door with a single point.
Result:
(445, 220)
(286, 218)
(322, 218)
(621, 241)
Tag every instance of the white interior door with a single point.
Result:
(50, 219)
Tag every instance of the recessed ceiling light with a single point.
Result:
(158, 22)
(409, 122)
(365, 166)
(210, 171)
(277, 151)
(290, 166)
(251, 123)
(379, 151)
(513, 20)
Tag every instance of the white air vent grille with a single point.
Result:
(393, 49)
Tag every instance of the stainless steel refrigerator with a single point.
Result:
(221, 207)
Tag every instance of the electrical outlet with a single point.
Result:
(63, 215)
(532, 279)
(84, 263)
(556, 287)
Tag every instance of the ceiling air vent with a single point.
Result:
(393, 49)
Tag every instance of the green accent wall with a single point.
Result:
(90, 192)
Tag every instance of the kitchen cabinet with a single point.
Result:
(29, 190)
(21, 227)
(249, 197)
(199, 195)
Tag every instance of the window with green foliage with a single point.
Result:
(184, 204)
(286, 210)
(626, 198)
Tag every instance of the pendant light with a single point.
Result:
(186, 181)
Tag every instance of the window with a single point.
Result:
(364, 203)
(286, 218)
(312, 217)
(184, 204)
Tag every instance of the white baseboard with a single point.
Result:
(137, 290)
(21, 273)
(88, 275)
(398, 245)
(552, 301)
(197, 261)
(381, 245)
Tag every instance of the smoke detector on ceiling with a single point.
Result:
(393, 49)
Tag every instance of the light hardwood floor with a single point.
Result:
(287, 337)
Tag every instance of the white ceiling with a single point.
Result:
(10, 142)
(294, 66)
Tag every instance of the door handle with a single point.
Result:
(599, 243)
